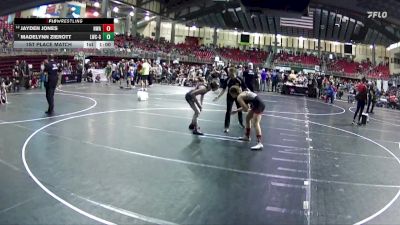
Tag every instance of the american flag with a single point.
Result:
(305, 22)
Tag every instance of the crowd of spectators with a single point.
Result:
(339, 65)
(296, 57)
(198, 51)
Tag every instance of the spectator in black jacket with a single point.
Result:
(249, 77)
(228, 83)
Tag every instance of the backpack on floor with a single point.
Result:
(364, 118)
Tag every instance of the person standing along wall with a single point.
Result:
(371, 97)
(274, 79)
(264, 80)
(16, 77)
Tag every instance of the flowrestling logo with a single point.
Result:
(376, 14)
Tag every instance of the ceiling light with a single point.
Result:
(96, 4)
(371, 46)
(96, 14)
(115, 9)
(147, 18)
(131, 14)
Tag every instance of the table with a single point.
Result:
(294, 90)
(70, 78)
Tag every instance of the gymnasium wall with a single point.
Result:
(394, 58)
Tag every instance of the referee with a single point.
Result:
(228, 83)
(51, 70)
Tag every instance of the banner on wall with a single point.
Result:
(306, 71)
(282, 68)
(385, 85)
(379, 85)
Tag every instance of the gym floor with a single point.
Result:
(105, 157)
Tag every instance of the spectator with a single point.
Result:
(361, 98)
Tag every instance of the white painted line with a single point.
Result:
(119, 94)
(43, 187)
(11, 166)
(289, 140)
(277, 184)
(194, 163)
(283, 210)
(129, 213)
(308, 189)
(353, 154)
(288, 160)
(382, 121)
(290, 135)
(308, 139)
(18, 204)
(296, 150)
(390, 203)
(292, 130)
(306, 183)
(211, 136)
(51, 117)
(285, 146)
(291, 170)
(355, 183)
(209, 166)
(292, 153)
(194, 210)
(306, 205)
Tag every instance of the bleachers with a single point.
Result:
(7, 63)
(304, 59)
(243, 56)
(202, 53)
(352, 69)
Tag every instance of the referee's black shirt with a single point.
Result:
(229, 82)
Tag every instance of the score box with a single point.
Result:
(108, 36)
(104, 44)
(108, 28)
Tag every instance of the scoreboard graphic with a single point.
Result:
(63, 33)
